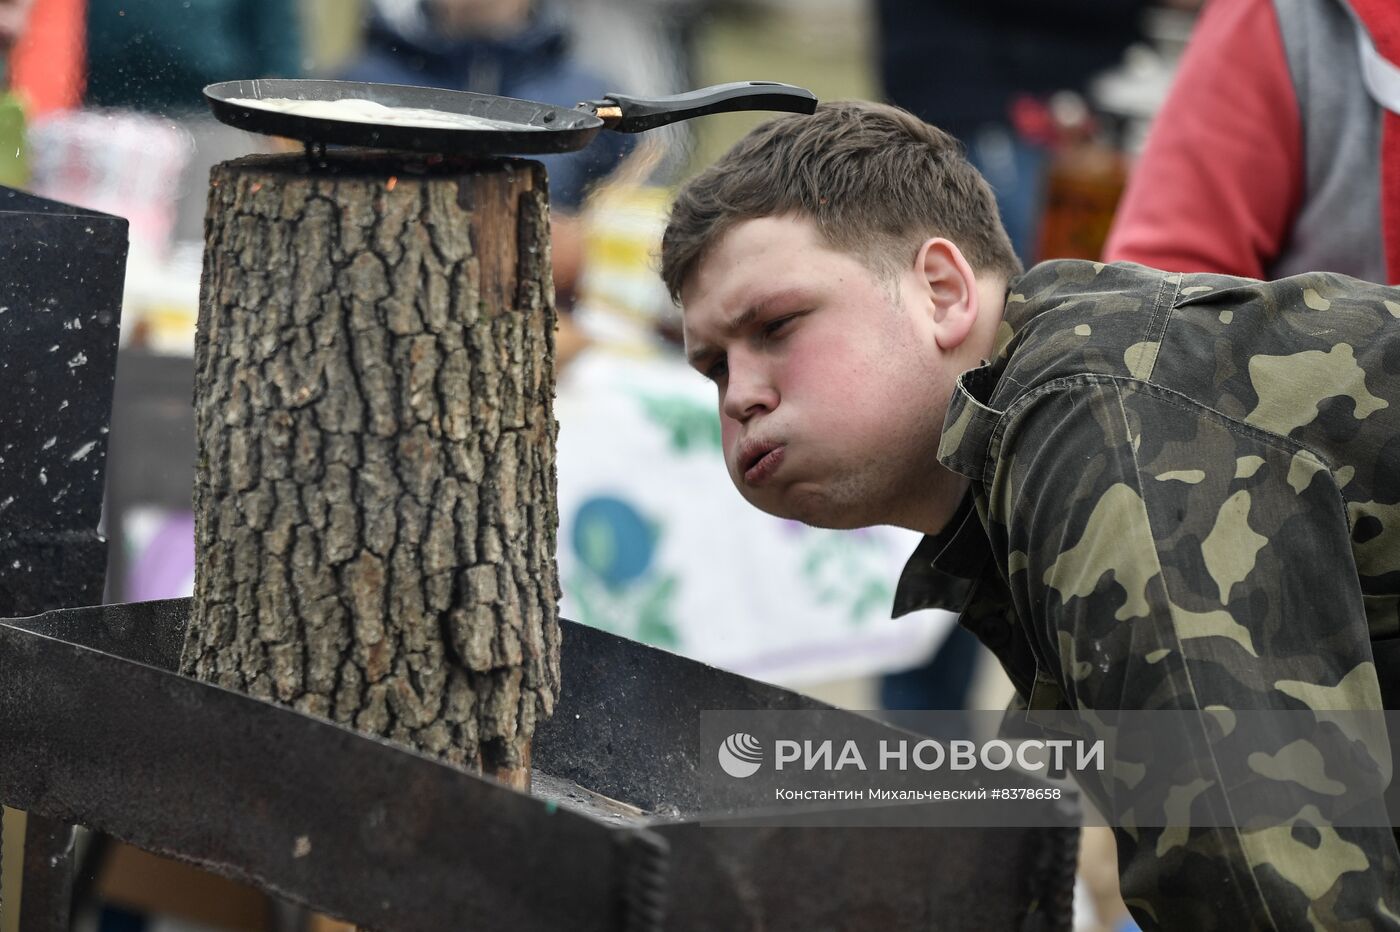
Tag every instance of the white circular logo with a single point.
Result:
(740, 755)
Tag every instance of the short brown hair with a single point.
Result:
(876, 179)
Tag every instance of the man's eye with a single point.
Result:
(775, 327)
(717, 371)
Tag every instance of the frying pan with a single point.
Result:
(521, 127)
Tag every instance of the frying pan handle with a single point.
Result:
(643, 113)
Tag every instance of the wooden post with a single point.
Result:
(375, 502)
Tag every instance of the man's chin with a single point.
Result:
(810, 509)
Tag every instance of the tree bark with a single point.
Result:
(375, 500)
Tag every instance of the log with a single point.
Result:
(375, 496)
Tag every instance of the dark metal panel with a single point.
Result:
(627, 723)
(321, 815)
(46, 902)
(150, 633)
(60, 301)
(849, 879)
(187, 769)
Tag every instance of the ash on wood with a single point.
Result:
(375, 504)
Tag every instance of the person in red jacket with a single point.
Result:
(41, 42)
(1277, 150)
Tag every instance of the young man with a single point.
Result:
(1143, 490)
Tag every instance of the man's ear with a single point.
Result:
(950, 291)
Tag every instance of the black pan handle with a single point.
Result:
(644, 113)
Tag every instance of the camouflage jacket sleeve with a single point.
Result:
(1162, 556)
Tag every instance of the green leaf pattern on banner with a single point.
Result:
(642, 611)
(691, 427)
(850, 570)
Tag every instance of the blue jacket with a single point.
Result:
(533, 64)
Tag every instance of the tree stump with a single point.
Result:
(375, 500)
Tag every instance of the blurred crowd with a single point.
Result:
(102, 107)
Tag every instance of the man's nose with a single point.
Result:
(749, 391)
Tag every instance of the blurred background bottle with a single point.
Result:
(1083, 182)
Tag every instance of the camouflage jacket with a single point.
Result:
(1185, 494)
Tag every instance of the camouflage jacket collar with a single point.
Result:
(970, 422)
(971, 419)
(945, 566)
